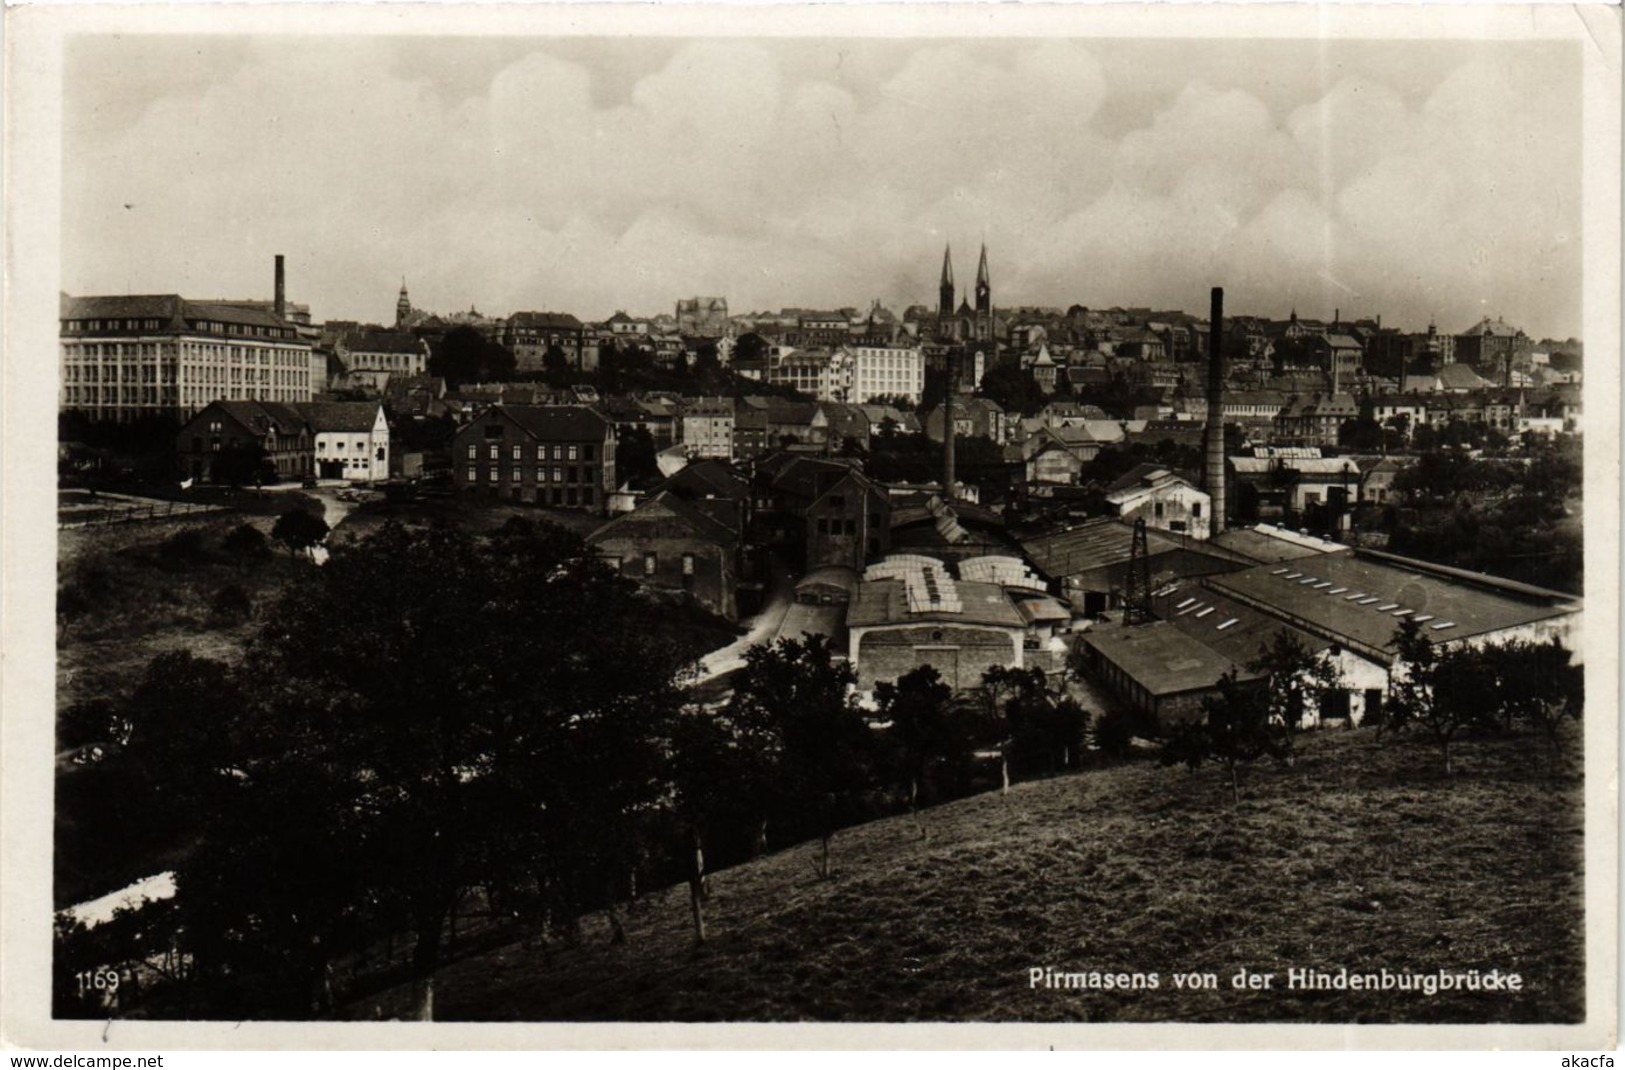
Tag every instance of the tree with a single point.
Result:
(1442, 691)
(636, 461)
(1009, 384)
(823, 741)
(179, 720)
(464, 355)
(1296, 675)
(436, 695)
(721, 771)
(923, 729)
(299, 531)
(1041, 730)
(1236, 730)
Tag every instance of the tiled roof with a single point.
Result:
(561, 423)
(547, 321)
(381, 342)
(171, 308)
(338, 415)
(261, 416)
(649, 514)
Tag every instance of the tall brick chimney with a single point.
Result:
(281, 292)
(1215, 411)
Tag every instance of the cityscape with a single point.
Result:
(828, 615)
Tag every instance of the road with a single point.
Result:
(333, 512)
(761, 628)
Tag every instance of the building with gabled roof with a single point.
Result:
(1157, 670)
(678, 544)
(1164, 499)
(350, 439)
(558, 455)
(237, 429)
(1357, 601)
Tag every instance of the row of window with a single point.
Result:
(572, 452)
(587, 474)
(651, 563)
(112, 395)
(112, 325)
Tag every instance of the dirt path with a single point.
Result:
(762, 628)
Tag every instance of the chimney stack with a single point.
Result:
(281, 293)
(1215, 412)
(948, 427)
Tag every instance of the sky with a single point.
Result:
(1417, 180)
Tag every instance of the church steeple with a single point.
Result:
(945, 290)
(403, 306)
(984, 285)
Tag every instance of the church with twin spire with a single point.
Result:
(964, 324)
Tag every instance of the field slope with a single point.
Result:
(1359, 855)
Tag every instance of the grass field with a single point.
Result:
(1359, 855)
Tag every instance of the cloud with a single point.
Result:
(806, 172)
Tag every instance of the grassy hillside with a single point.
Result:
(1359, 855)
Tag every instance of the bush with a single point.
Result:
(246, 542)
(1114, 733)
(183, 548)
(231, 604)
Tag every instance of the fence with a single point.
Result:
(126, 512)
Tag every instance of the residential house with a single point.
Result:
(559, 455)
(240, 428)
(532, 335)
(350, 439)
(972, 416)
(368, 359)
(707, 427)
(1315, 420)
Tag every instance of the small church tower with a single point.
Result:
(403, 307)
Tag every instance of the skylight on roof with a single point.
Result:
(1209, 609)
(1307, 579)
(1402, 612)
(1277, 571)
(1188, 609)
(1367, 601)
(1186, 602)
(1354, 596)
(1443, 624)
(1293, 575)
(1227, 624)
(1422, 617)
(1337, 590)
(1322, 585)
(1386, 608)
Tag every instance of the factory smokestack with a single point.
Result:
(948, 427)
(281, 291)
(1215, 411)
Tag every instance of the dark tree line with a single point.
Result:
(435, 718)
